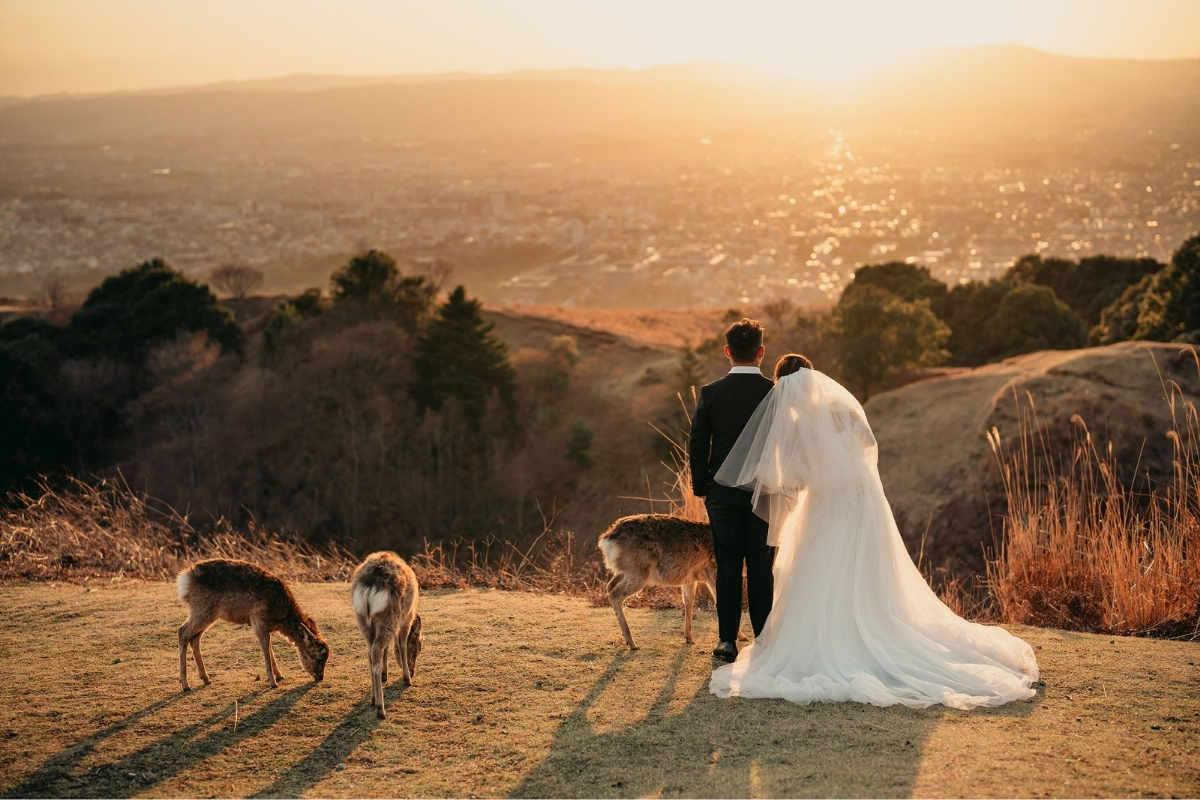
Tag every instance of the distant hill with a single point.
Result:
(968, 86)
(962, 83)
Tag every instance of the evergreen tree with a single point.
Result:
(371, 283)
(579, 444)
(139, 308)
(1087, 287)
(1171, 307)
(689, 372)
(458, 356)
(1163, 307)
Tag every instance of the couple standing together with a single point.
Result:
(789, 476)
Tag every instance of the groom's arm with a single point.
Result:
(700, 446)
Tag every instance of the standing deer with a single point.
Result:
(657, 550)
(384, 593)
(246, 594)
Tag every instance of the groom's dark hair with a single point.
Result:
(744, 337)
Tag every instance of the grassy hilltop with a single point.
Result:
(531, 695)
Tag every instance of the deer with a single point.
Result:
(384, 594)
(246, 594)
(657, 550)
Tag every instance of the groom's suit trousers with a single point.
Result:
(740, 538)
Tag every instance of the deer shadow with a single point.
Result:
(717, 747)
(351, 732)
(143, 769)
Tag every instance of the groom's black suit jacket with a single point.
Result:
(722, 410)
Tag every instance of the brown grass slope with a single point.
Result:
(940, 473)
(530, 695)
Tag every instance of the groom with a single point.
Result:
(739, 537)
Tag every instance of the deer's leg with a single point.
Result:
(407, 644)
(263, 634)
(710, 580)
(379, 648)
(401, 646)
(689, 600)
(620, 587)
(184, 638)
(189, 634)
(274, 664)
(199, 659)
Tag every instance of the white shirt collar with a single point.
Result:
(747, 370)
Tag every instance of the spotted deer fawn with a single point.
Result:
(384, 594)
(657, 550)
(246, 594)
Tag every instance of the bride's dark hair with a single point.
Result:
(789, 363)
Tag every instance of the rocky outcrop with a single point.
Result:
(940, 473)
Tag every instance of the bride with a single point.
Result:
(852, 619)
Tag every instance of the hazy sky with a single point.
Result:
(100, 45)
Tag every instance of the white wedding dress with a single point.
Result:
(852, 619)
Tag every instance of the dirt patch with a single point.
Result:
(531, 695)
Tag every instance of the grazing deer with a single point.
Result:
(384, 594)
(245, 594)
(657, 550)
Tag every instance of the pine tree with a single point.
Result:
(689, 371)
(458, 356)
(371, 283)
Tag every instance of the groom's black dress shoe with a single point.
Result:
(725, 651)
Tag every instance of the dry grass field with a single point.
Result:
(531, 695)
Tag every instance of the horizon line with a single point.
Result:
(792, 72)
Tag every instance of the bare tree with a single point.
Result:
(778, 312)
(57, 297)
(236, 279)
(435, 271)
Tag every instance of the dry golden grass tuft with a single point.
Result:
(1084, 550)
(79, 531)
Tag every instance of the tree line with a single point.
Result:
(373, 413)
(895, 317)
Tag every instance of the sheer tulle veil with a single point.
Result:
(808, 434)
(853, 618)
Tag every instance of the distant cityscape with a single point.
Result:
(695, 223)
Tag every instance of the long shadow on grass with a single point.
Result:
(739, 748)
(143, 769)
(64, 761)
(341, 742)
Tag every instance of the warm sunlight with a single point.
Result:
(599, 398)
(66, 45)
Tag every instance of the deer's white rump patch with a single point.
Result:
(368, 602)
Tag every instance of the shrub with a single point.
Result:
(1030, 318)
(579, 444)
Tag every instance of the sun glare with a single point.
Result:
(62, 45)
